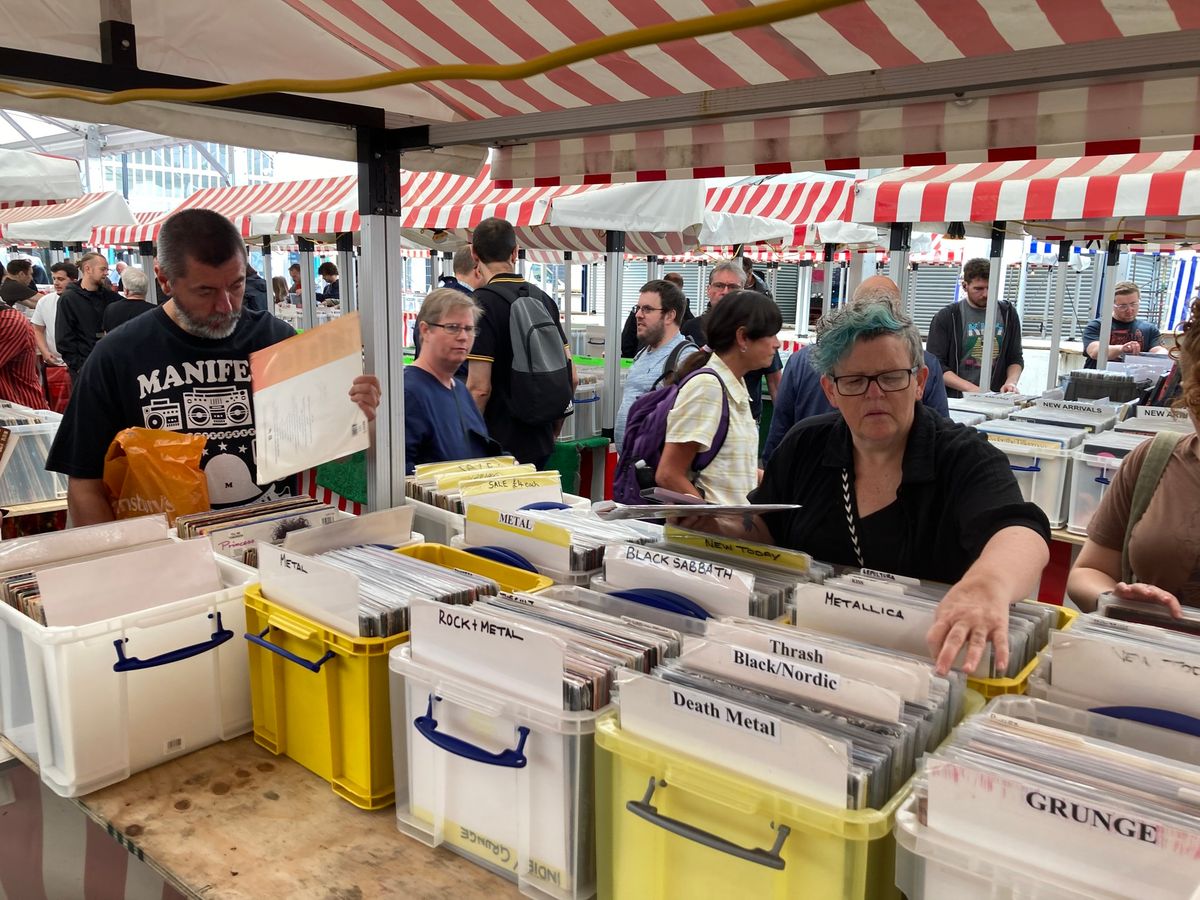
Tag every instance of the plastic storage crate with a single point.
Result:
(320, 696)
(1042, 473)
(994, 687)
(440, 526)
(933, 866)
(504, 783)
(93, 704)
(1090, 478)
(672, 827)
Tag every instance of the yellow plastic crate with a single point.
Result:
(724, 836)
(320, 696)
(994, 687)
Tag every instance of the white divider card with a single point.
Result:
(1162, 412)
(721, 589)
(327, 594)
(27, 553)
(787, 755)
(542, 543)
(97, 589)
(1126, 673)
(1071, 833)
(1099, 408)
(898, 623)
(490, 650)
(511, 492)
(386, 526)
(909, 679)
(785, 677)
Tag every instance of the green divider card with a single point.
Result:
(346, 476)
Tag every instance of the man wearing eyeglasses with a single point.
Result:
(659, 308)
(1129, 333)
(725, 277)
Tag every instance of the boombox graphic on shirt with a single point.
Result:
(217, 407)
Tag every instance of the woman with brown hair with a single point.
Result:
(1144, 540)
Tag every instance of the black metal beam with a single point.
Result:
(27, 65)
(118, 44)
(378, 173)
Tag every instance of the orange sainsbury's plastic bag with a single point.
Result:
(148, 471)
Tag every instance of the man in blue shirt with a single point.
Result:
(800, 394)
(1129, 333)
(441, 420)
(659, 310)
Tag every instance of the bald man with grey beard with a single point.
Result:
(800, 395)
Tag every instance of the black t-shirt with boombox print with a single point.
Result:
(150, 373)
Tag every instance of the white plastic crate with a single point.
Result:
(933, 866)
(1042, 473)
(1090, 478)
(504, 783)
(439, 526)
(92, 704)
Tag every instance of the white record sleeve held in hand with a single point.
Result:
(303, 414)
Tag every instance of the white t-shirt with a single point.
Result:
(44, 314)
(695, 417)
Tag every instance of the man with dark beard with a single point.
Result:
(183, 367)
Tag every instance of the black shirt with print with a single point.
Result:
(151, 373)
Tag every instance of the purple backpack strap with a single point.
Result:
(705, 457)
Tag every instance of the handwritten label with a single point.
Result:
(889, 576)
(762, 553)
(681, 563)
(863, 605)
(486, 627)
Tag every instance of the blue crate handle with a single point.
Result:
(504, 556)
(769, 858)
(1149, 715)
(1034, 468)
(513, 758)
(545, 504)
(1100, 479)
(132, 664)
(261, 640)
(668, 601)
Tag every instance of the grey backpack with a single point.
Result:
(540, 383)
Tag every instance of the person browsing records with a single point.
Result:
(658, 310)
(1143, 542)
(441, 421)
(888, 484)
(742, 337)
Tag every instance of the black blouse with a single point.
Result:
(956, 492)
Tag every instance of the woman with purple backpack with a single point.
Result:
(741, 334)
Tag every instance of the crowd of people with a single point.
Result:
(860, 441)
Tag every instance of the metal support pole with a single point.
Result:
(995, 292)
(382, 310)
(899, 249)
(308, 288)
(614, 261)
(521, 262)
(773, 279)
(149, 262)
(267, 273)
(652, 268)
(1107, 300)
(1056, 316)
(1022, 282)
(58, 254)
(804, 297)
(827, 291)
(347, 288)
(435, 269)
(566, 304)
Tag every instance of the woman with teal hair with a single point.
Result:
(887, 484)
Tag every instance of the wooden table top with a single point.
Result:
(234, 821)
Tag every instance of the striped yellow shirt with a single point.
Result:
(733, 473)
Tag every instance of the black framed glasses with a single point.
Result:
(890, 381)
(646, 310)
(454, 328)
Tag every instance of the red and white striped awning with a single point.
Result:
(101, 234)
(1124, 196)
(13, 216)
(254, 208)
(802, 203)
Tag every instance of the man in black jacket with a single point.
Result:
(80, 320)
(956, 338)
(255, 296)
